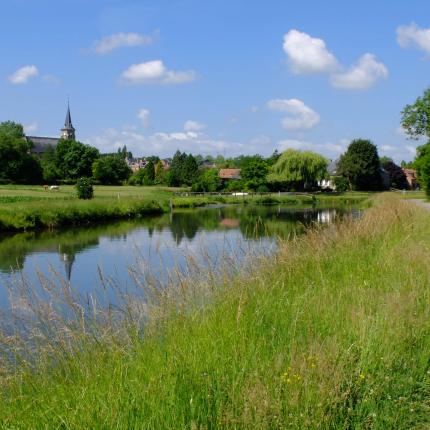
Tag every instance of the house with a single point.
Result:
(229, 174)
(411, 177)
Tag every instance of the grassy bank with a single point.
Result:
(334, 332)
(33, 207)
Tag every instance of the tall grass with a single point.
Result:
(333, 332)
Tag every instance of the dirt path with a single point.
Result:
(422, 203)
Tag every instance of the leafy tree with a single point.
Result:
(84, 188)
(160, 173)
(422, 165)
(396, 174)
(183, 170)
(273, 158)
(360, 165)
(75, 159)
(415, 118)
(16, 162)
(111, 170)
(150, 172)
(190, 170)
(209, 181)
(12, 129)
(254, 172)
(51, 173)
(298, 170)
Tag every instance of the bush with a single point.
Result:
(84, 189)
(340, 184)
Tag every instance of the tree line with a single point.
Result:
(359, 168)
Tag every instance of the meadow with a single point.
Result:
(332, 332)
(32, 207)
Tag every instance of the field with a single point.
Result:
(333, 332)
(33, 207)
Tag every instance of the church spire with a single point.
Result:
(68, 132)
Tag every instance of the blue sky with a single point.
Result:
(216, 77)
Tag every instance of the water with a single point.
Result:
(159, 245)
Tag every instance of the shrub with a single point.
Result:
(340, 184)
(84, 189)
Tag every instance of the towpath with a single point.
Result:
(422, 203)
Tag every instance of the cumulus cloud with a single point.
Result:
(308, 54)
(23, 75)
(414, 36)
(161, 143)
(155, 72)
(143, 115)
(300, 116)
(362, 75)
(193, 126)
(328, 149)
(119, 40)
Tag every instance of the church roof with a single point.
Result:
(68, 121)
(41, 144)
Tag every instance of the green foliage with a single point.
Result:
(145, 176)
(111, 170)
(340, 184)
(51, 172)
(415, 118)
(16, 163)
(422, 165)
(208, 181)
(11, 129)
(396, 174)
(183, 170)
(361, 166)
(298, 170)
(160, 173)
(254, 172)
(84, 189)
(75, 159)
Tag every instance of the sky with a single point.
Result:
(216, 77)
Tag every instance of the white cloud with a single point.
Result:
(114, 41)
(193, 126)
(328, 149)
(300, 116)
(161, 143)
(143, 115)
(308, 54)
(31, 128)
(361, 76)
(414, 36)
(23, 75)
(155, 72)
(52, 79)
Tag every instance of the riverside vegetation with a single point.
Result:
(32, 207)
(331, 332)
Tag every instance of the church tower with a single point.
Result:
(68, 132)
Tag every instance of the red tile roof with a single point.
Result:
(229, 174)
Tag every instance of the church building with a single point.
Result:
(42, 144)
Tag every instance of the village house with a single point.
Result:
(411, 177)
(229, 174)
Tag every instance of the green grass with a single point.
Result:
(333, 333)
(32, 207)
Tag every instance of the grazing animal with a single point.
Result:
(54, 187)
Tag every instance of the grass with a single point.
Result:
(25, 208)
(333, 332)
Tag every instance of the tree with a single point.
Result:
(84, 188)
(254, 172)
(111, 170)
(189, 171)
(360, 165)
(160, 173)
(51, 173)
(75, 159)
(209, 181)
(415, 118)
(395, 173)
(422, 165)
(298, 170)
(16, 162)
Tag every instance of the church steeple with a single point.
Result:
(68, 132)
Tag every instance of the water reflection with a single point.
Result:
(163, 242)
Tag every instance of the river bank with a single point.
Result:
(31, 208)
(332, 332)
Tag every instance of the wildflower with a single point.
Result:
(362, 376)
